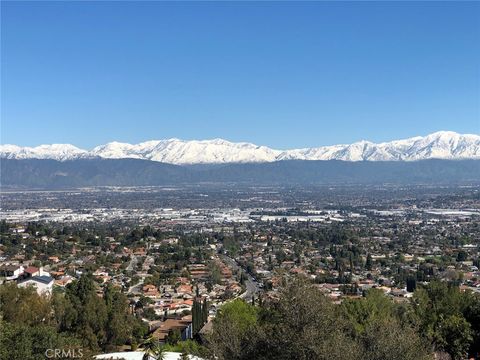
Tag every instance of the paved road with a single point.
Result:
(252, 287)
(137, 288)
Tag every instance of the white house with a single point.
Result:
(11, 272)
(43, 284)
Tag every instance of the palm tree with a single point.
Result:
(153, 349)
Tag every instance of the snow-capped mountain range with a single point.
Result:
(439, 145)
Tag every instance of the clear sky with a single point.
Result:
(279, 74)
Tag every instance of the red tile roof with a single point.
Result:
(31, 270)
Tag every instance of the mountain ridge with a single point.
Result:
(439, 145)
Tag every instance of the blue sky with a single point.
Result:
(274, 73)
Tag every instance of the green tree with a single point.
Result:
(290, 326)
(388, 339)
(445, 317)
(361, 313)
(119, 322)
(233, 324)
(368, 262)
(29, 342)
(455, 336)
(24, 305)
(174, 336)
(204, 311)
(91, 318)
(471, 313)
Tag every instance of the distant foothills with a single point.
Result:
(440, 145)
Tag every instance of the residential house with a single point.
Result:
(43, 284)
(11, 272)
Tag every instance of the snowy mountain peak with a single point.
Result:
(59, 152)
(438, 145)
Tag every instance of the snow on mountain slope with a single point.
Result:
(211, 151)
(117, 150)
(59, 152)
(439, 145)
(445, 145)
(175, 151)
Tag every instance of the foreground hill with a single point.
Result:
(135, 172)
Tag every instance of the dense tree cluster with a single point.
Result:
(449, 318)
(303, 324)
(78, 318)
